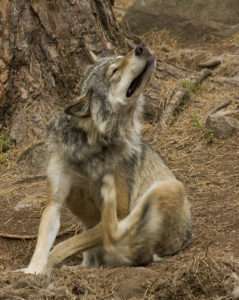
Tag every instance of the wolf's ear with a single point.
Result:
(81, 109)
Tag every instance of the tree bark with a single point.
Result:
(43, 53)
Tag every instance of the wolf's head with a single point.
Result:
(111, 89)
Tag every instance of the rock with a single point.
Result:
(221, 124)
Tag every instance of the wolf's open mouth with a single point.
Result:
(135, 84)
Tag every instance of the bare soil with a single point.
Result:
(208, 166)
(195, 20)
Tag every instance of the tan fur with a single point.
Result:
(156, 225)
(129, 202)
(80, 242)
(81, 204)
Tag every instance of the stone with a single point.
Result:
(221, 124)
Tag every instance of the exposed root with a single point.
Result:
(34, 236)
(233, 81)
(179, 96)
(31, 179)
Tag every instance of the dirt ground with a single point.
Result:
(208, 166)
(193, 20)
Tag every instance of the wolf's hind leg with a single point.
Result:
(110, 221)
(88, 239)
(159, 222)
(126, 242)
(113, 229)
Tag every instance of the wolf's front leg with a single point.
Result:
(49, 226)
(60, 185)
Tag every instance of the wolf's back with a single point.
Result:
(147, 168)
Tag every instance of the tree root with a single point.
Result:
(34, 236)
(179, 95)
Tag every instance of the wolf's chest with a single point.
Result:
(85, 198)
(85, 202)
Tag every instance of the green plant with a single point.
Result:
(196, 122)
(207, 133)
(5, 143)
(3, 158)
(190, 86)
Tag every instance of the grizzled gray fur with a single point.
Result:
(130, 203)
(98, 153)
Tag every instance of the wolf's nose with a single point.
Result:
(139, 50)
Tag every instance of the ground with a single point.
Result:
(208, 166)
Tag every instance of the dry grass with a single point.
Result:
(205, 278)
(208, 167)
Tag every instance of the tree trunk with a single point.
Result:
(43, 52)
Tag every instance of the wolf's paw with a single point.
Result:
(157, 258)
(33, 271)
(108, 190)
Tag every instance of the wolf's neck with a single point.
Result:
(130, 132)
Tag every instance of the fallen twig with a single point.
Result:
(176, 99)
(234, 81)
(201, 76)
(220, 106)
(211, 63)
(26, 151)
(31, 179)
(171, 70)
(33, 236)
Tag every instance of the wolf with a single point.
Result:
(132, 207)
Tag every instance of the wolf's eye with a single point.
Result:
(114, 71)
